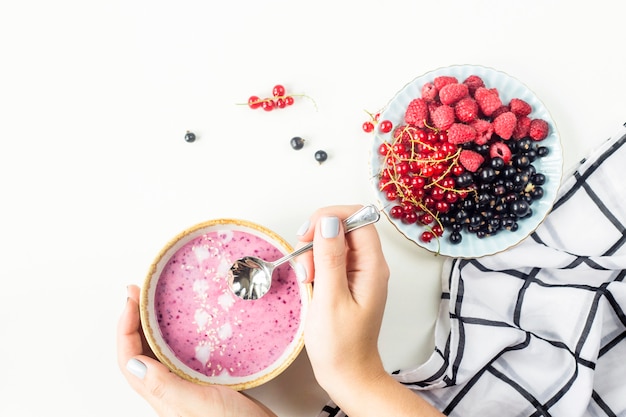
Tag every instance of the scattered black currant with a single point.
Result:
(321, 156)
(190, 137)
(297, 143)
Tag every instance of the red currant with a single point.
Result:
(409, 218)
(385, 126)
(396, 212)
(268, 105)
(280, 103)
(368, 127)
(391, 195)
(437, 193)
(383, 149)
(426, 218)
(457, 170)
(254, 102)
(278, 90)
(427, 236)
(289, 100)
(442, 206)
(451, 197)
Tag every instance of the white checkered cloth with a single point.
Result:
(540, 329)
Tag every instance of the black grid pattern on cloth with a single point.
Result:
(540, 329)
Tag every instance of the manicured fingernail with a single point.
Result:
(329, 227)
(137, 368)
(300, 272)
(303, 229)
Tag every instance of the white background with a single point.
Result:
(96, 96)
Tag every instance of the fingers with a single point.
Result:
(129, 336)
(364, 243)
(329, 258)
(148, 377)
(306, 232)
(163, 389)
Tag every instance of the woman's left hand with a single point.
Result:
(166, 392)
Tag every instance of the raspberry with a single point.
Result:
(432, 106)
(461, 133)
(416, 112)
(538, 129)
(473, 82)
(484, 130)
(429, 91)
(466, 110)
(488, 100)
(504, 125)
(444, 80)
(522, 128)
(500, 149)
(443, 117)
(499, 111)
(451, 93)
(471, 160)
(519, 107)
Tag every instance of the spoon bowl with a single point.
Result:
(250, 278)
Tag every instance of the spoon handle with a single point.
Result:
(364, 216)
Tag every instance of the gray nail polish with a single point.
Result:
(329, 227)
(300, 272)
(137, 368)
(303, 228)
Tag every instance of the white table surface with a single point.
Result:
(96, 96)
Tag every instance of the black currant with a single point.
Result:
(456, 237)
(190, 136)
(487, 174)
(464, 180)
(297, 143)
(531, 154)
(521, 161)
(538, 179)
(524, 145)
(519, 208)
(542, 151)
(321, 156)
(509, 171)
(497, 163)
(537, 192)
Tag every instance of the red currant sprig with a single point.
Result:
(279, 100)
(384, 126)
(417, 177)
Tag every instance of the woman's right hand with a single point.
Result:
(350, 276)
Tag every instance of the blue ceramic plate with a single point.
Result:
(550, 165)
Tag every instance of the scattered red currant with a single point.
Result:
(278, 90)
(254, 102)
(368, 126)
(280, 99)
(385, 126)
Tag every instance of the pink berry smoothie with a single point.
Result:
(210, 329)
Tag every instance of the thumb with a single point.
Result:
(157, 385)
(329, 257)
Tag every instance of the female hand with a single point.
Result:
(341, 333)
(350, 291)
(167, 393)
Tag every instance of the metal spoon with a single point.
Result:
(250, 277)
